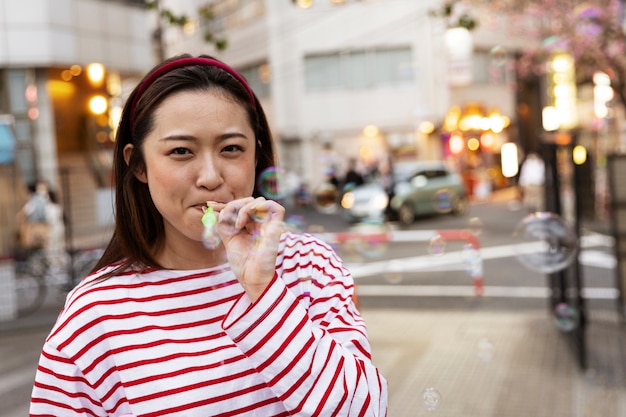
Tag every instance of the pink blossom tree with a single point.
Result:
(591, 31)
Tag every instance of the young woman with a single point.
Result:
(260, 323)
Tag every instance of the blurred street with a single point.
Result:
(445, 351)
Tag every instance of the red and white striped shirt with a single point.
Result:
(190, 343)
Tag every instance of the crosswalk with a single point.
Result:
(594, 251)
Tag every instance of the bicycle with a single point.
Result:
(37, 270)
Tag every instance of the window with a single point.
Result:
(489, 69)
(258, 77)
(358, 69)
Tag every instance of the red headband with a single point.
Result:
(185, 62)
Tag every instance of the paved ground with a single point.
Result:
(497, 364)
(458, 363)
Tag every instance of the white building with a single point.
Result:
(357, 79)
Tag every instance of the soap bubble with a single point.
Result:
(545, 242)
(498, 56)
(443, 201)
(372, 239)
(431, 399)
(210, 238)
(437, 245)
(326, 198)
(566, 317)
(272, 183)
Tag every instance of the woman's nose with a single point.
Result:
(208, 173)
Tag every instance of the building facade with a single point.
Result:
(357, 79)
(65, 67)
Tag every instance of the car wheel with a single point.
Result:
(459, 206)
(406, 214)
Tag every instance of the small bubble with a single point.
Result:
(431, 399)
(271, 183)
(260, 215)
(437, 245)
(326, 198)
(498, 56)
(371, 240)
(566, 318)
(210, 238)
(443, 201)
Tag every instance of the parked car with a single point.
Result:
(420, 188)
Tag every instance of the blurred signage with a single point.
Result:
(561, 92)
(459, 48)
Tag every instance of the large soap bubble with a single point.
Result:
(545, 242)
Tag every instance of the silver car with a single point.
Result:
(420, 188)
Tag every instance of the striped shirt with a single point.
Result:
(190, 343)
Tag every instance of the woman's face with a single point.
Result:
(202, 148)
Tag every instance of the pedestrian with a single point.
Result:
(55, 217)
(34, 229)
(353, 177)
(531, 182)
(234, 317)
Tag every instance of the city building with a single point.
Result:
(364, 79)
(65, 68)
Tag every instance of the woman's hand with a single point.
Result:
(250, 230)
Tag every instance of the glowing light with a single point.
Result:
(75, 70)
(473, 144)
(95, 73)
(579, 154)
(456, 144)
(550, 118)
(370, 131)
(509, 160)
(31, 93)
(487, 140)
(98, 104)
(303, 4)
(427, 127)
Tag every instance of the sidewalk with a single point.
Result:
(472, 363)
(496, 364)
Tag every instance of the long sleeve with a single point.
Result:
(61, 389)
(307, 339)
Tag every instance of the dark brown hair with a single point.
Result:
(139, 232)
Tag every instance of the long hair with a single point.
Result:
(139, 232)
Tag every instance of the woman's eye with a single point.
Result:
(231, 148)
(179, 151)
